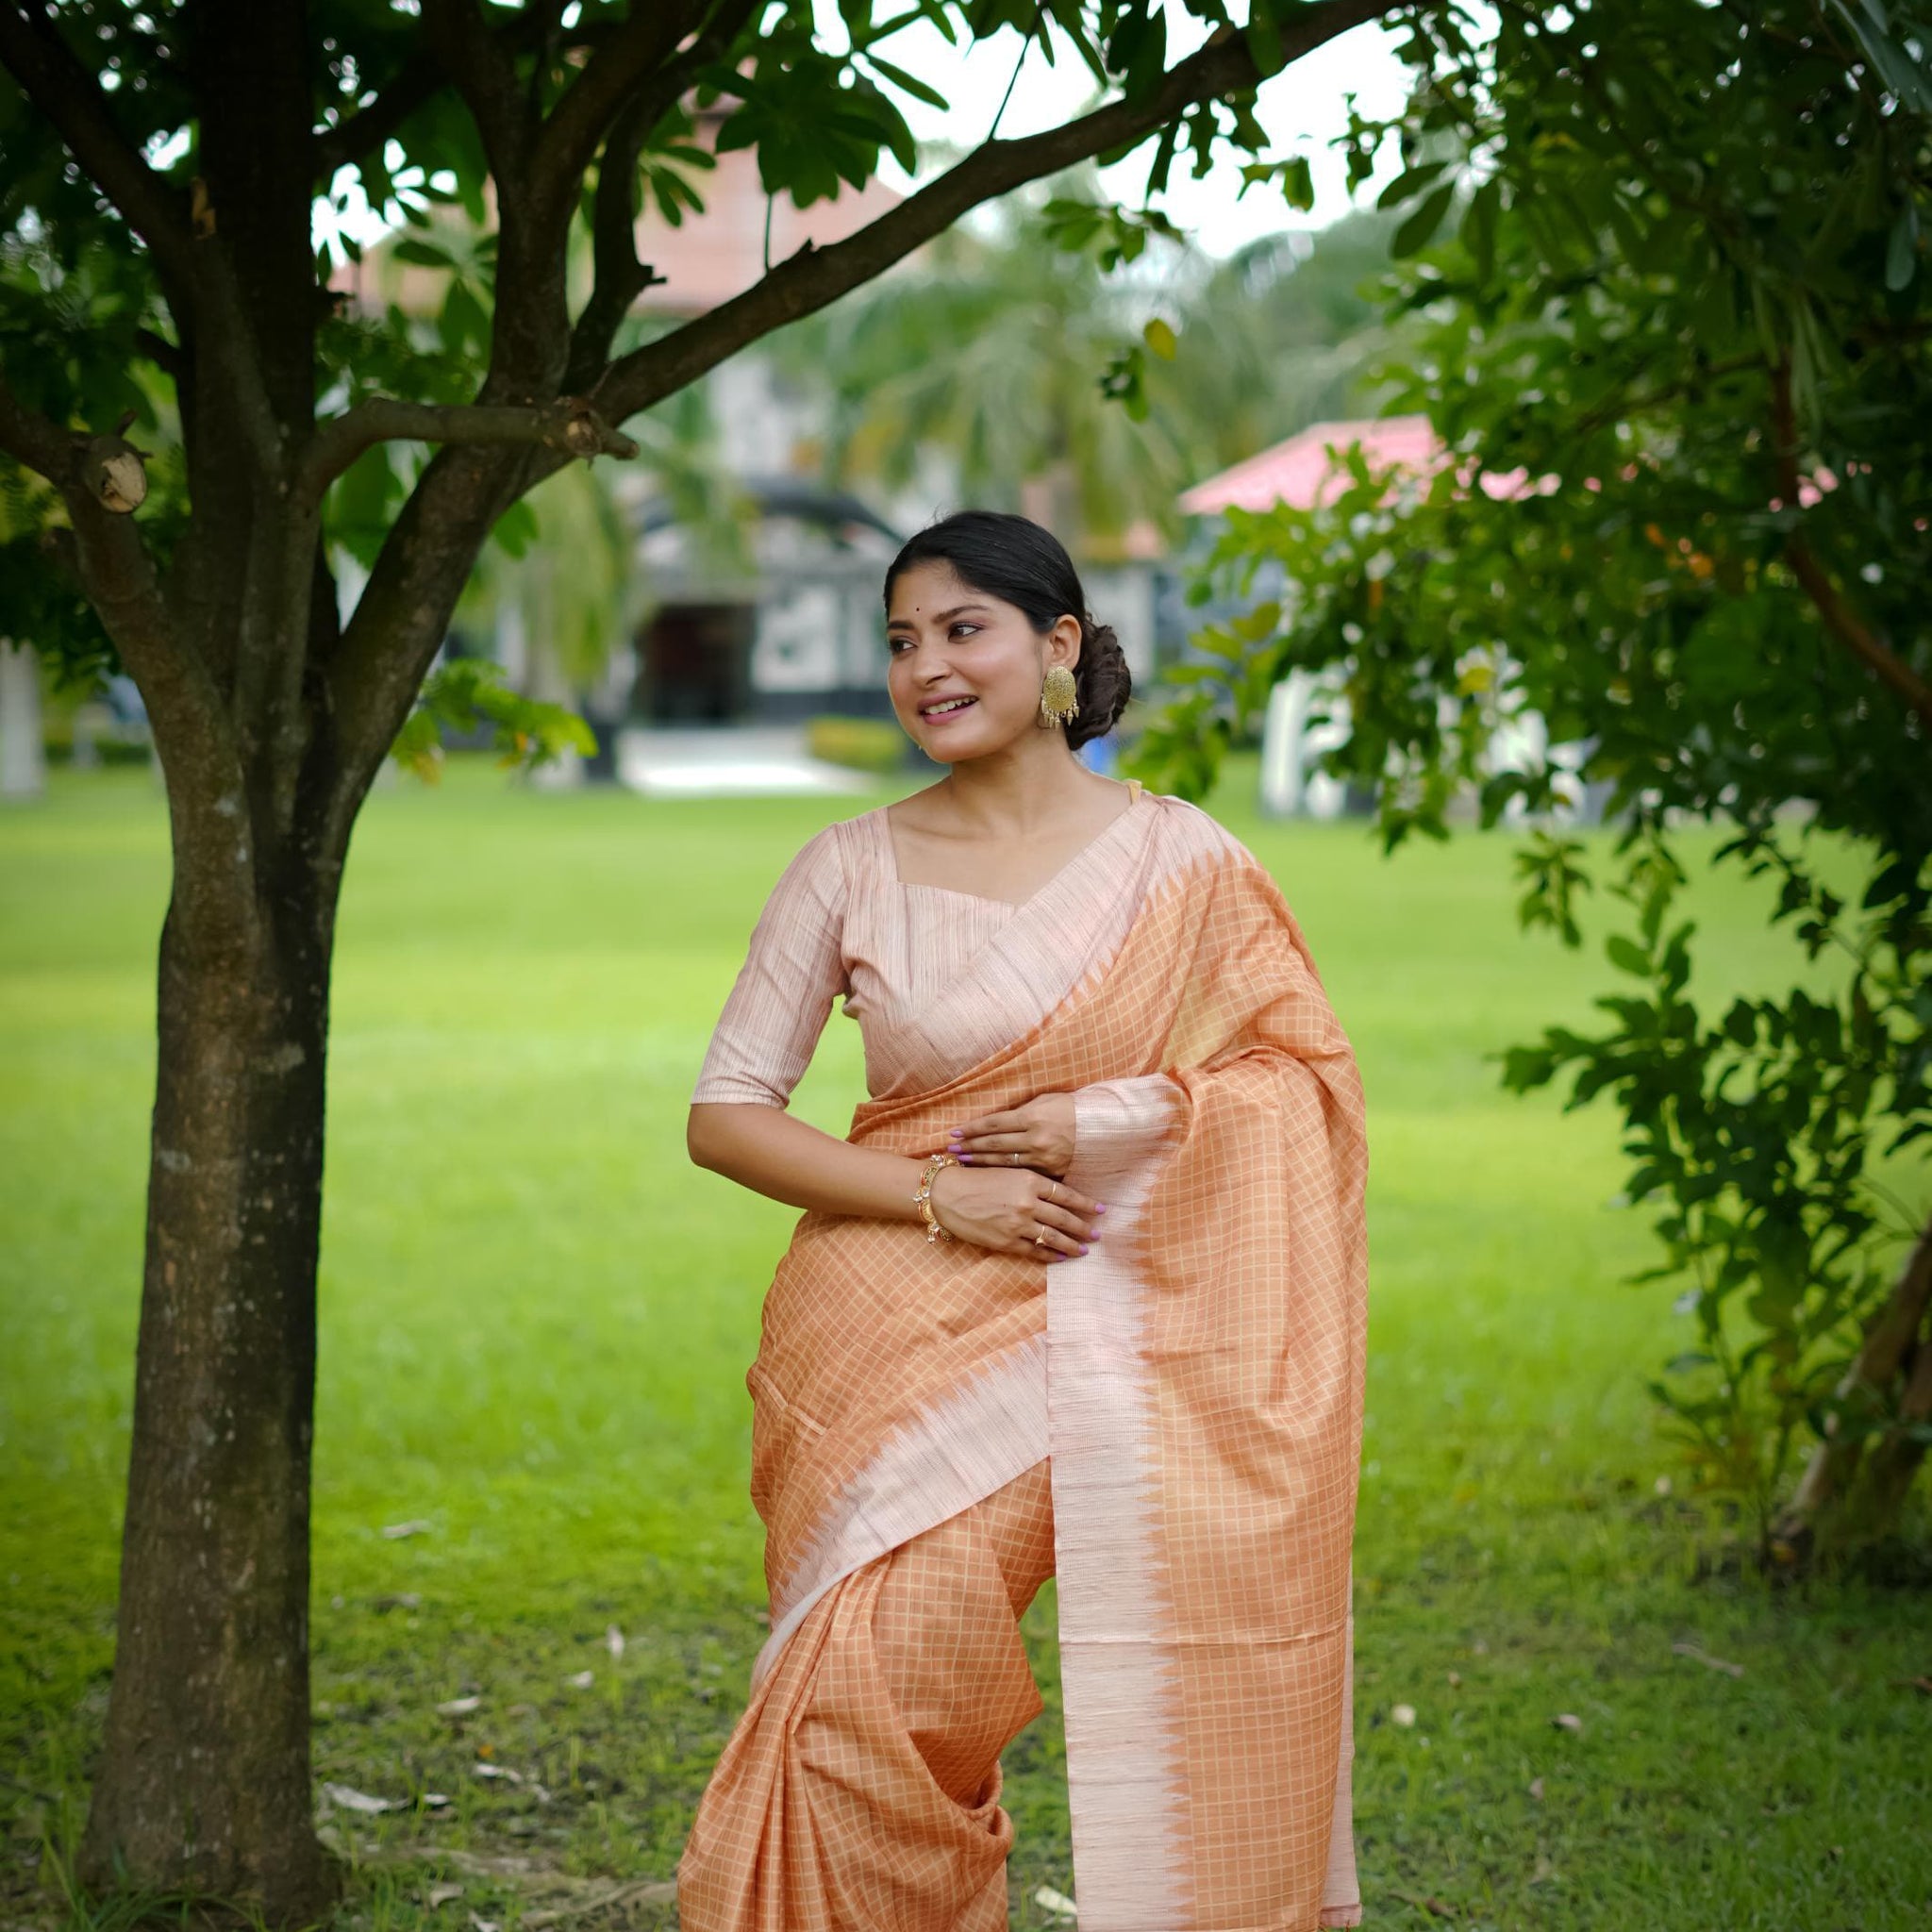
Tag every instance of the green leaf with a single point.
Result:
(1408, 184)
(1902, 250)
(1480, 226)
(515, 531)
(421, 253)
(1264, 40)
(1626, 953)
(909, 82)
(1415, 232)
(1297, 183)
(1160, 338)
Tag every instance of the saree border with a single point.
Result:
(1126, 1782)
(983, 1433)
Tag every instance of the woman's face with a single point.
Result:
(944, 639)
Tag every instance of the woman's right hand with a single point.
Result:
(1005, 1208)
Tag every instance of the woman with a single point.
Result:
(1082, 1293)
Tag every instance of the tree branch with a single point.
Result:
(569, 427)
(54, 80)
(486, 77)
(620, 277)
(37, 442)
(649, 36)
(814, 277)
(1840, 621)
(103, 552)
(415, 84)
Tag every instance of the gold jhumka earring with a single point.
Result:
(1059, 698)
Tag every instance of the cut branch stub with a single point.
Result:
(114, 473)
(585, 434)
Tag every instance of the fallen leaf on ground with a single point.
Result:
(416, 1527)
(1704, 1657)
(1436, 1907)
(613, 1641)
(502, 1771)
(482, 1924)
(352, 1800)
(459, 1706)
(1455, 1680)
(442, 1894)
(1567, 1721)
(402, 1600)
(639, 1891)
(582, 1681)
(1048, 1900)
(477, 1863)
(1536, 1789)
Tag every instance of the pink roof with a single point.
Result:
(1302, 473)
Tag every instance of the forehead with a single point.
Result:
(933, 585)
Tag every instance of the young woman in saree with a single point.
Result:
(1082, 1293)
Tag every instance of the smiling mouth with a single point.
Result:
(949, 709)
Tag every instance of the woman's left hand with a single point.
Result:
(1039, 1135)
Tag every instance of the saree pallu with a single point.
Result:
(1190, 1390)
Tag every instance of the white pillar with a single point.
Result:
(23, 758)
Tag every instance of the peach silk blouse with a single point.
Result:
(938, 980)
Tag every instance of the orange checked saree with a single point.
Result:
(1171, 1424)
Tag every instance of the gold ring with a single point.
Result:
(1039, 1237)
(1053, 1191)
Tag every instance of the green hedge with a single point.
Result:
(867, 744)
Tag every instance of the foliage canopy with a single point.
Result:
(1676, 353)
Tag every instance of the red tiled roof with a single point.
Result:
(1302, 471)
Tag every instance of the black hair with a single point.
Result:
(1014, 558)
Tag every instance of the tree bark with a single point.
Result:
(203, 1783)
(1853, 1485)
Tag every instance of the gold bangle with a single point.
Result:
(934, 1232)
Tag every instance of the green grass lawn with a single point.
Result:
(536, 1319)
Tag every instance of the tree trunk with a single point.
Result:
(204, 1782)
(22, 766)
(1854, 1486)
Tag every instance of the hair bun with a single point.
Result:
(1102, 680)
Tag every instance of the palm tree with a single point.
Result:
(989, 349)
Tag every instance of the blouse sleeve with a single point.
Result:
(1117, 1122)
(783, 994)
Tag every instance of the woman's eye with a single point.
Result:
(893, 644)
